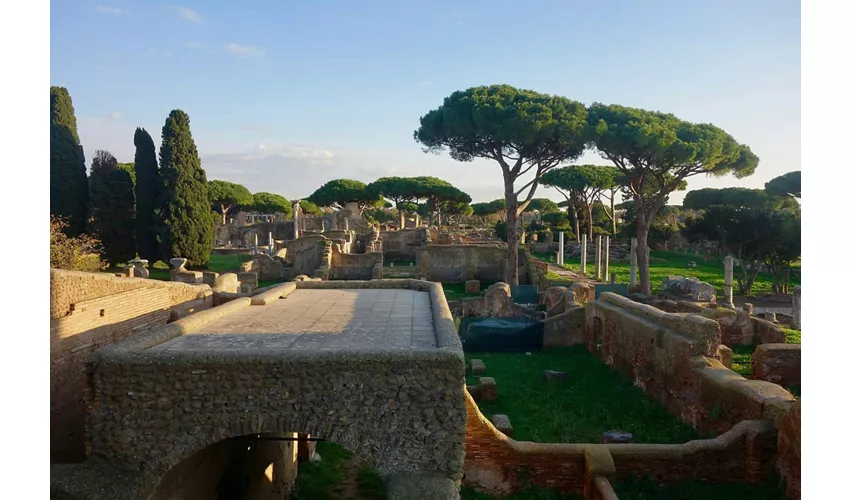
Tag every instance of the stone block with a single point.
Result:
(503, 424)
(778, 363)
(474, 391)
(583, 292)
(478, 367)
(725, 356)
(472, 286)
(498, 301)
(210, 278)
(488, 389)
(552, 375)
(617, 437)
(191, 277)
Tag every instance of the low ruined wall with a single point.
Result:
(459, 263)
(91, 310)
(778, 363)
(498, 465)
(675, 359)
(565, 329)
(345, 266)
(402, 244)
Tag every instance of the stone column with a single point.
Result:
(256, 244)
(583, 253)
(295, 228)
(560, 248)
(597, 272)
(605, 259)
(416, 221)
(728, 276)
(345, 223)
(633, 263)
(795, 309)
(271, 244)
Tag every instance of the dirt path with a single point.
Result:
(347, 488)
(567, 274)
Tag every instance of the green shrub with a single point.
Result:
(81, 253)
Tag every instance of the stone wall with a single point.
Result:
(91, 310)
(305, 254)
(346, 266)
(266, 267)
(460, 263)
(400, 411)
(402, 244)
(778, 363)
(497, 464)
(675, 359)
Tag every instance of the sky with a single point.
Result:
(284, 96)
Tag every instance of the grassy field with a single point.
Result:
(457, 291)
(593, 399)
(529, 493)
(338, 475)
(673, 263)
(634, 488)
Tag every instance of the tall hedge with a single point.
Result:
(113, 207)
(69, 190)
(148, 181)
(187, 221)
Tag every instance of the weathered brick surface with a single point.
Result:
(89, 311)
(788, 452)
(778, 363)
(497, 464)
(675, 359)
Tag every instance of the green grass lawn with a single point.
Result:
(674, 263)
(593, 399)
(634, 488)
(457, 291)
(530, 493)
(328, 478)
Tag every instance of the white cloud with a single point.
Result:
(245, 50)
(188, 14)
(114, 116)
(107, 10)
(426, 84)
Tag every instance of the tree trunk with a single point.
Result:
(589, 222)
(642, 229)
(510, 229)
(575, 222)
(224, 215)
(613, 217)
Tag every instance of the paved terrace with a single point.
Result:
(321, 319)
(375, 366)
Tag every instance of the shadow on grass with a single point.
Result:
(591, 400)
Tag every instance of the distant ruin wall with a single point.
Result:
(402, 244)
(91, 310)
(305, 253)
(346, 266)
(459, 263)
(675, 359)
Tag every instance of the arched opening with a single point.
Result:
(271, 466)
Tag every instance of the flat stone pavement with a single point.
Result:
(321, 319)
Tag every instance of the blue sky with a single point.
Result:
(284, 96)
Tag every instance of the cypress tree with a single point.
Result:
(188, 226)
(148, 182)
(69, 192)
(112, 206)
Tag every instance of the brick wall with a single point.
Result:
(91, 310)
(788, 451)
(778, 363)
(675, 359)
(353, 266)
(497, 464)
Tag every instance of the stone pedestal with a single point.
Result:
(477, 366)
(488, 389)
